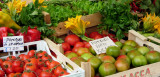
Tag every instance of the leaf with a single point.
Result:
(119, 34)
(144, 7)
(34, 12)
(24, 29)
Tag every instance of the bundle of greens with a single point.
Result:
(117, 16)
(32, 16)
(60, 11)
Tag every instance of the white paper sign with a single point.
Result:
(13, 43)
(100, 45)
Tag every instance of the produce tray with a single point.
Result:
(150, 70)
(42, 45)
(57, 48)
(144, 41)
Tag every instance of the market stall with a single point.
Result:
(79, 38)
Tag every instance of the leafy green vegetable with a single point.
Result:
(32, 16)
(117, 16)
(61, 11)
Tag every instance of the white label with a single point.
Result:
(100, 45)
(13, 43)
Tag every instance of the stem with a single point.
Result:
(83, 37)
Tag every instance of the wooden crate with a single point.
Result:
(57, 48)
(94, 19)
(143, 41)
(150, 70)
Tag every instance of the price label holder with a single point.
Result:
(13, 44)
(100, 45)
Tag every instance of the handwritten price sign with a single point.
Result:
(13, 43)
(100, 45)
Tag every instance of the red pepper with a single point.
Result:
(31, 35)
(4, 32)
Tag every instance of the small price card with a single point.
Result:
(13, 43)
(100, 45)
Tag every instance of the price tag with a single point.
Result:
(13, 43)
(100, 45)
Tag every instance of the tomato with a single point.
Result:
(75, 49)
(18, 66)
(66, 46)
(86, 35)
(30, 66)
(33, 61)
(139, 60)
(152, 57)
(64, 73)
(104, 35)
(28, 74)
(25, 57)
(21, 56)
(86, 56)
(1, 61)
(31, 53)
(2, 73)
(41, 53)
(114, 40)
(14, 75)
(48, 62)
(11, 75)
(44, 68)
(67, 52)
(79, 44)
(59, 70)
(17, 75)
(46, 57)
(122, 65)
(38, 71)
(143, 50)
(95, 62)
(124, 57)
(93, 34)
(53, 64)
(9, 70)
(11, 58)
(97, 36)
(87, 45)
(54, 75)
(81, 51)
(45, 74)
(131, 43)
(70, 55)
(108, 59)
(106, 69)
(72, 39)
(40, 63)
(6, 64)
(113, 51)
(92, 50)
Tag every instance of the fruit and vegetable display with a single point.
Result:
(39, 19)
(32, 64)
(118, 58)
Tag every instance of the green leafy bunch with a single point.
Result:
(117, 17)
(62, 10)
(31, 16)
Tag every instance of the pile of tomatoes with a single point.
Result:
(34, 64)
(73, 42)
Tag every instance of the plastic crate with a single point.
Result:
(42, 45)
